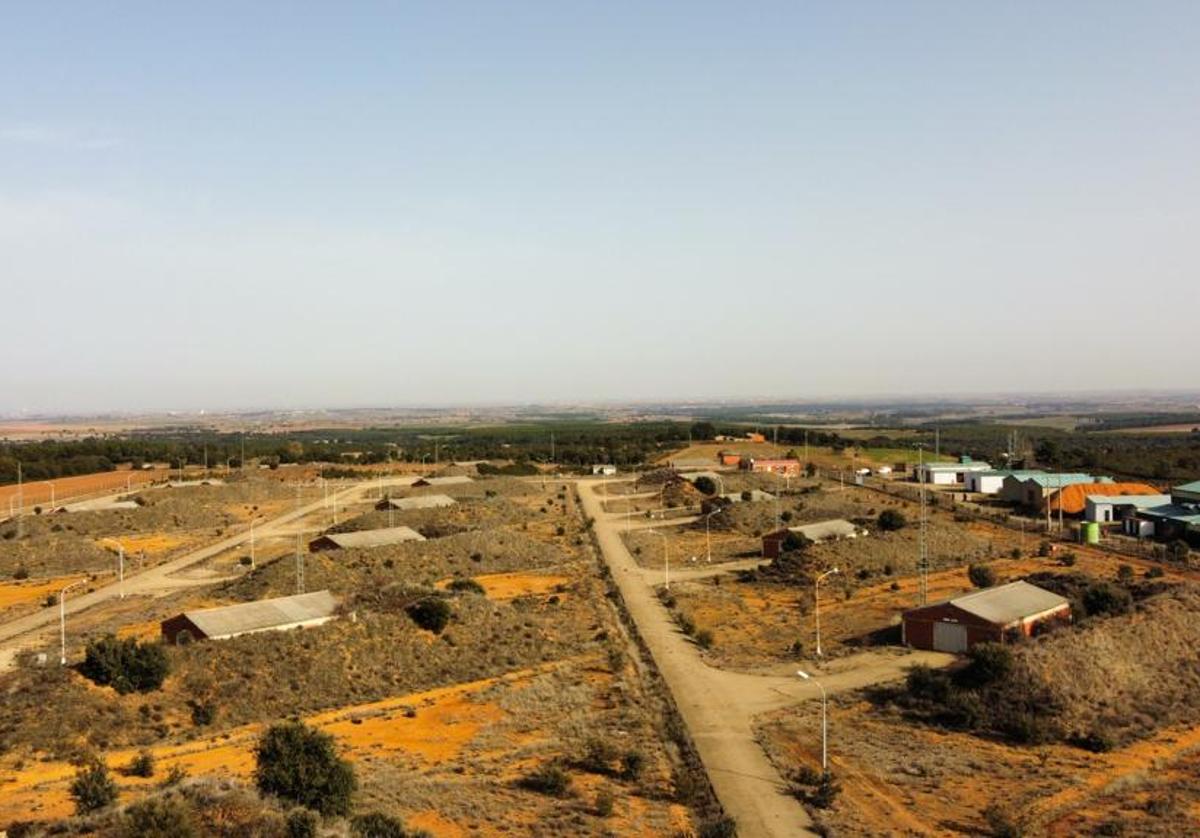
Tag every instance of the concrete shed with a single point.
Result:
(417, 502)
(277, 614)
(772, 543)
(364, 539)
(1005, 612)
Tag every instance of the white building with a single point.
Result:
(1107, 508)
(990, 482)
(604, 470)
(949, 474)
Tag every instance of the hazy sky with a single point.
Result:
(242, 205)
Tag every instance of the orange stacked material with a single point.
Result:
(1074, 497)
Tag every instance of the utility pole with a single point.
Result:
(552, 445)
(923, 549)
(937, 444)
(243, 461)
(20, 499)
(806, 449)
(299, 567)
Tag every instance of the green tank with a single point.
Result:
(1089, 532)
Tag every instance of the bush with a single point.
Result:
(1014, 553)
(125, 665)
(1067, 559)
(1155, 572)
(1044, 549)
(1124, 574)
(157, 817)
(721, 826)
(706, 485)
(379, 825)
(890, 520)
(466, 586)
(989, 663)
(826, 792)
(21, 572)
(604, 803)
(203, 712)
(299, 764)
(141, 765)
(547, 779)
(795, 541)
(599, 755)
(999, 822)
(92, 788)
(704, 639)
(1103, 598)
(981, 576)
(431, 614)
(301, 823)
(632, 764)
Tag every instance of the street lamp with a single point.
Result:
(120, 566)
(824, 721)
(707, 536)
(666, 559)
(817, 605)
(62, 619)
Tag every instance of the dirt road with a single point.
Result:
(15, 633)
(719, 707)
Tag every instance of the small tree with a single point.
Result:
(891, 519)
(378, 825)
(301, 823)
(795, 541)
(141, 765)
(92, 788)
(548, 779)
(989, 664)
(431, 614)
(981, 576)
(300, 764)
(125, 665)
(157, 817)
(706, 484)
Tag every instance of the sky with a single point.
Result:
(231, 205)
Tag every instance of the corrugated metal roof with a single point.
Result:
(1056, 481)
(263, 614)
(1184, 513)
(835, 528)
(975, 465)
(450, 480)
(373, 538)
(1194, 486)
(418, 502)
(1005, 604)
(1136, 501)
(1018, 473)
(1074, 497)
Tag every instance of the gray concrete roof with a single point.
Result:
(835, 528)
(1136, 501)
(450, 480)
(417, 502)
(264, 614)
(373, 538)
(1006, 604)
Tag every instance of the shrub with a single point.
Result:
(141, 765)
(706, 485)
(1044, 549)
(632, 764)
(604, 803)
(125, 665)
(1067, 559)
(1015, 553)
(786, 516)
(1155, 572)
(826, 792)
(92, 788)
(431, 614)
(377, 825)
(890, 520)
(547, 779)
(981, 576)
(721, 826)
(704, 639)
(795, 541)
(1124, 574)
(203, 712)
(1000, 823)
(1103, 598)
(157, 817)
(466, 586)
(301, 823)
(175, 776)
(299, 764)
(598, 756)
(989, 663)
(21, 572)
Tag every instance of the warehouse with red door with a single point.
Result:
(996, 615)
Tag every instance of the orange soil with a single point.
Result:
(16, 593)
(446, 720)
(38, 493)
(511, 585)
(151, 543)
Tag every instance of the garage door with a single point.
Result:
(949, 637)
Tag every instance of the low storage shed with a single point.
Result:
(277, 614)
(991, 615)
(364, 538)
(772, 542)
(416, 502)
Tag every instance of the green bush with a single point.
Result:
(466, 586)
(93, 788)
(157, 817)
(1124, 574)
(826, 792)
(721, 826)
(379, 825)
(605, 802)
(989, 663)
(1000, 823)
(300, 764)
(632, 764)
(125, 665)
(981, 576)
(890, 520)
(794, 541)
(706, 485)
(141, 765)
(599, 756)
(547, 779)
(1044, 549)
(1103, 598)
(431, 614)
(301, 823)
(21, 572)
(704, 639)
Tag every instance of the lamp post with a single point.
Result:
(666, 559)
(817, 605)
(62, 619)
(120, 567)
(707, 535)
(824, 721)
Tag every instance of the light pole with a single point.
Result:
(817, 605)
(707, 535)
(824, 721)
(62, 619)
(120, 567)
(666, 559)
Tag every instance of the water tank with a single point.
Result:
(1089, 532)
